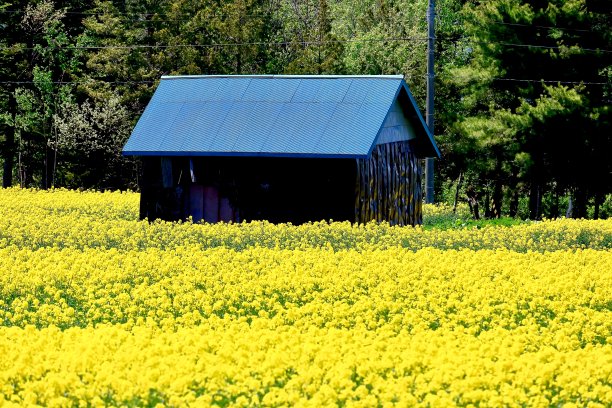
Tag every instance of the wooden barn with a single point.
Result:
(282, 148)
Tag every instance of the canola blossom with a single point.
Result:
(98, 308)
(65, 219)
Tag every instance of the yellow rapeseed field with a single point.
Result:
(100, 309)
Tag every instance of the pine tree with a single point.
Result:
(534, 98)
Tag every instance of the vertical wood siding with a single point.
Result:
(389, 186)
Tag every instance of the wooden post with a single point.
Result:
(226, 214)
(196, 202)
(166, 167)
(211, 204)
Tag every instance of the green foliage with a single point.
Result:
(605, 210)
(313, 47)
(523, 89)
(522, 131)
(96, 131)
(444, 216)
(118, 58)
(40, 50)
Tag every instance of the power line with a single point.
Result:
(94, 81)
(132, 13)
(279, 43)
(549, 47)
(145, 14)
(303, 43)
(137, 17)
(253, 15)
(552, 81)
(542, 26)
(546, 81)
(91, 82)
(141, 17)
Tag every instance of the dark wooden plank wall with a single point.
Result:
(389, 186)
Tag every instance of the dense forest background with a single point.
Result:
(523, 89)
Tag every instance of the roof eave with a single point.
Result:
(239, 154)
(434, 151)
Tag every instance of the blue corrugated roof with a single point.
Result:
(285, 116)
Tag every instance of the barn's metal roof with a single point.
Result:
(275, 115)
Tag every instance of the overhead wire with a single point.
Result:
(552, 81)
(542, 26)
(94, 81)
(143, 14)
(189, 17)
(306, 43)
(229, 44)
(313, 42)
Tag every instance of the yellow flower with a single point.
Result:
(99, 308)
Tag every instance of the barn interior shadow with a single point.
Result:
(248, 188)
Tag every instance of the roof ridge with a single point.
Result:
(263, 76)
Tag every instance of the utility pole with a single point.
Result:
(429, 110)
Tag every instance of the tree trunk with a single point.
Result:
(580, 203)
(47, 160)
(497, 197)
(535, 201)
(472, 197)
(8, 153)
(514, 203)
(513, 192)
(554, 210)
(459, 180)
(474, 207)
(25, 176)
(598, 197)
(570, 208)
(487, 203)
